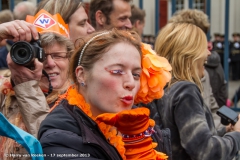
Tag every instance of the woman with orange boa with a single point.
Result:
(111, 71)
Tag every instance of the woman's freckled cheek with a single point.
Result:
(109, 84)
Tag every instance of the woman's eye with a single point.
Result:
(136, 75)
(117, 72)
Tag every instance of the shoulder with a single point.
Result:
(59, 118)
(181, 93)
(57, 136)
(183, 87)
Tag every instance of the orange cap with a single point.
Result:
(45, 22)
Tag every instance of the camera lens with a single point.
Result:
(22, 53)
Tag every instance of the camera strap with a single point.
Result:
(50, 88)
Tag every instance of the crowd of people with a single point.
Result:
(234, 53)
(94, 90)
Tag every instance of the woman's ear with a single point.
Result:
(80, 75)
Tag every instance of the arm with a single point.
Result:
(196, 128)
(31, 101)
(32, 104)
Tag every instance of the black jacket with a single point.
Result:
(193, 134)
(217, 78)
(68, 133)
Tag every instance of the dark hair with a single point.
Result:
(99, 46)
(137, 14)
(105, 6)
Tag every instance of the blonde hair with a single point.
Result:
(48, 39)
(182, 44)
(66, 8)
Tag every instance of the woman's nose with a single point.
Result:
(49, 62)
(90, 29)
(129, 82)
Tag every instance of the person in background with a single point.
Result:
(57, 71)
(108, 14)
(138, 19)
(5, 16)
(235, 56)
(182, 109)
(10, 30)
(26, 108)
(200, 19)
(73, 13)
(219, 48)
(24, 8)
(217, 79)
(216, 42)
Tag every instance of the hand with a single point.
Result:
(139, 118)
(18, 30)
(236, 127)
(132, 122)
(229, 128)
(20, 74)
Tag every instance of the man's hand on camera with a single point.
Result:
(21, 74)
(18, 30)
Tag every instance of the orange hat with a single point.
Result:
(45, 22)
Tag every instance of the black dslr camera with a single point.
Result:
(24, 53)
(227, 115)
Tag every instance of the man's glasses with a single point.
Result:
(57, 56)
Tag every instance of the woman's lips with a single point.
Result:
(128, 100)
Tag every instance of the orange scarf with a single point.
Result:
(110, 132)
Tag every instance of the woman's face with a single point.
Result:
(114, 80)
(57, 68)
(78, 25)
(202, 61)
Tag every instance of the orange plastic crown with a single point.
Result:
(45, 22)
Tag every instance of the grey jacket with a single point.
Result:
(193, 134)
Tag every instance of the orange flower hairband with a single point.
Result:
(155, 75)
